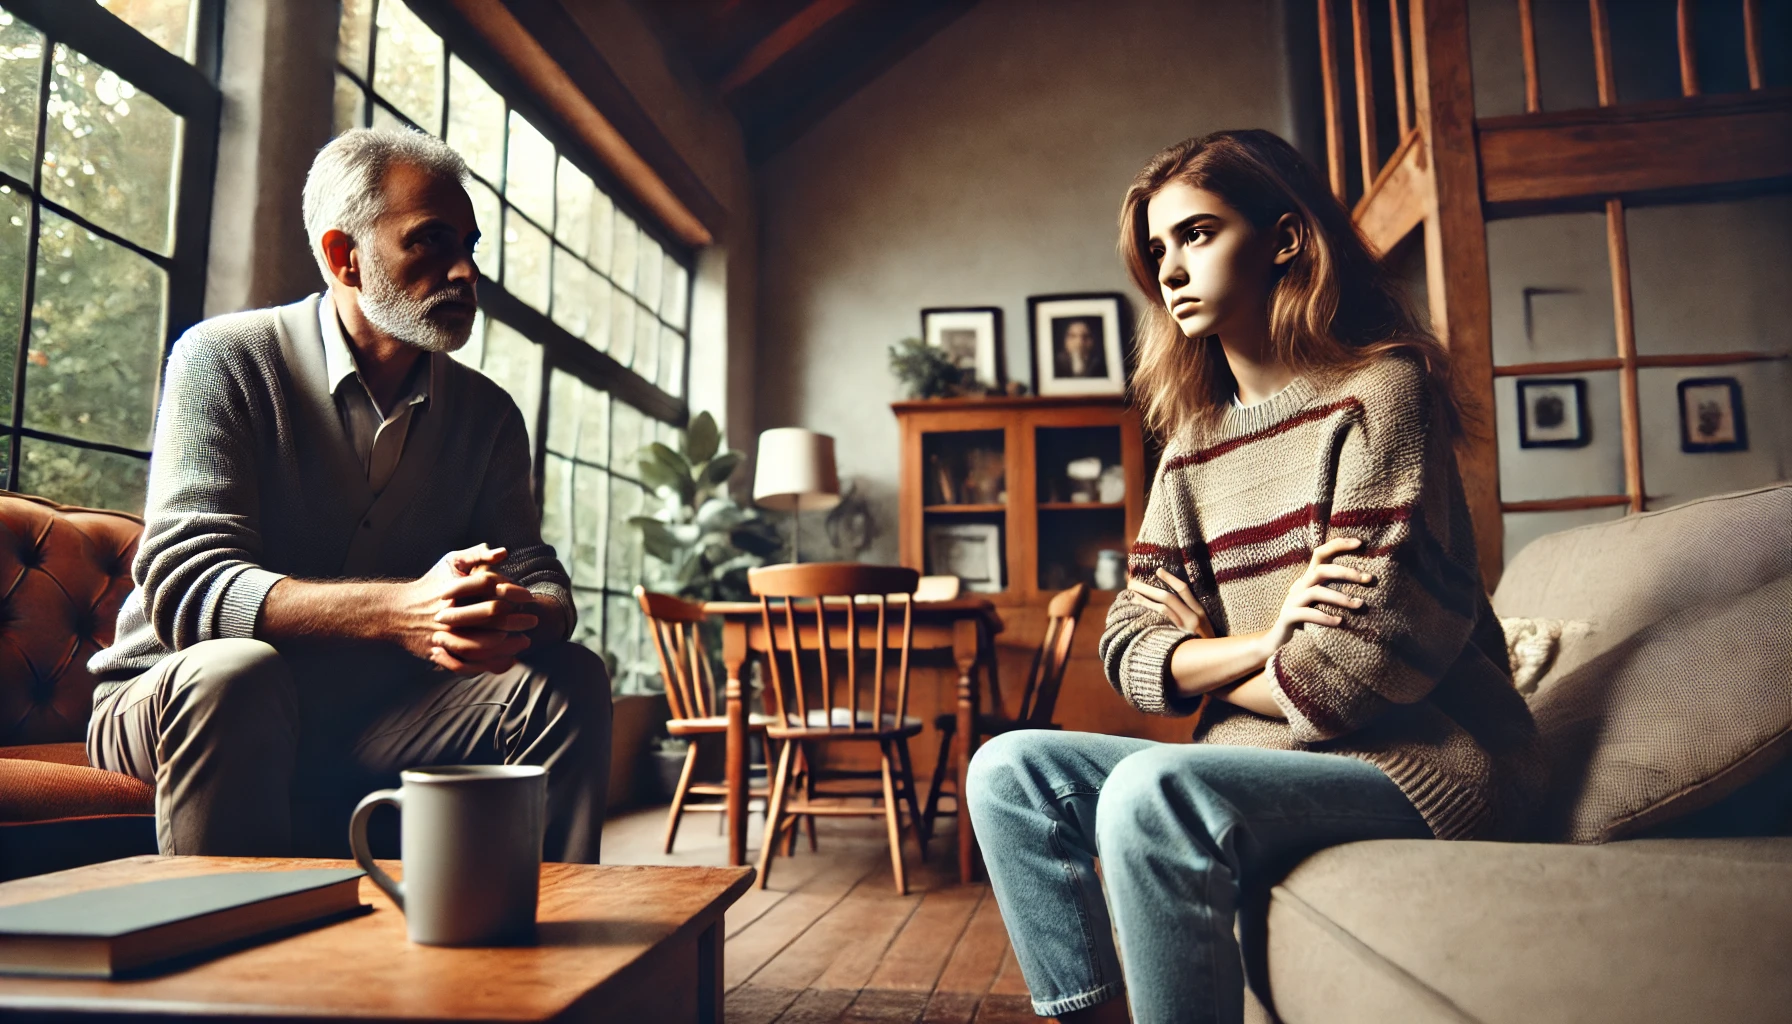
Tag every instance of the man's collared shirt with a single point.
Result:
(378, 439)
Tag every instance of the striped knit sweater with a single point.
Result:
(1416, 681)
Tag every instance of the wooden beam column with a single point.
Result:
(1456, 253)
(1334, 106)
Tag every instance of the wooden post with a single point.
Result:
(1624, 320)
(967, 651)
(1685, 13)
(1367, 145)
(1751, 41)
(1456, 252)
(734, 655)
(1602, 53)
(1402, 98)
(1334, 114)
(1527, 31)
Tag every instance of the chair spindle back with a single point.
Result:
(675, 626)
(805, 608)
(1040, 697)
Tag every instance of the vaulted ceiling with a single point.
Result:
(782, 64)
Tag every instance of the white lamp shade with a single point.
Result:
(795, 465)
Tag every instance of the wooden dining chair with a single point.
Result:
(691, 693)
(1037, 700)
(854, 625)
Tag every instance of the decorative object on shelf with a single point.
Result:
(1079, 343)
(1110, 486)
(967, 468)
(702, 540)
(1711, 417)
(922, 371)
(1110, 569)
(1083, 474)
(1552, 412)
(970, 551)
(795, 468)
(971, 337)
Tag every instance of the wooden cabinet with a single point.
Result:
(1021, 497)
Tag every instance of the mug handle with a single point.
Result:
(357, 840)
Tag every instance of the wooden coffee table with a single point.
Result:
(613, 944)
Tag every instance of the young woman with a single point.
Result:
(1304, 582)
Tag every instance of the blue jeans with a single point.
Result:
(1184, 833)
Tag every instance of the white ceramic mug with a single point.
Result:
(472, 852)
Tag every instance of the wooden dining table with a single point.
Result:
(963, 628)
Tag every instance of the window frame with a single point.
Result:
(190, 91)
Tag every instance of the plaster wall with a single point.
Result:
(985, 167)
(1705, 277)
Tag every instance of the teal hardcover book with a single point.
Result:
(101, 933)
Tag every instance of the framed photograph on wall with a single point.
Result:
(972, 337)
(1552, 412)
(1079, 343)
(970, 551)
(1711, 417)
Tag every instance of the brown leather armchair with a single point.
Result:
(63, 573)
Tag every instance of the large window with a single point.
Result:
(585, 303)
(108, 130)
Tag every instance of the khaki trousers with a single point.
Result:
(258, 753)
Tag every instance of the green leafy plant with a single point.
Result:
(924, 370)
(702, 541)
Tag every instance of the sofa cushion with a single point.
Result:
(1639, 932)
(63, 573)
(43, 790)
(1676, 695)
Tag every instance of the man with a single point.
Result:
(1080, 355)
(342, 573)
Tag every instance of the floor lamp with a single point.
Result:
(794, 468)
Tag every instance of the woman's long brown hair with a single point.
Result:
(1334, 304)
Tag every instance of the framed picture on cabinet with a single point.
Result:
(1711, 417)
(1552, 412)
(1079, 343)
(970, 551)
(971, 336)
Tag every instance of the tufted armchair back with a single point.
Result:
(63, 573)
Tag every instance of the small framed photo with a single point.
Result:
(1711, 417)
(1552, 412)
(1079, 343)
(970, 551)
(972, 337)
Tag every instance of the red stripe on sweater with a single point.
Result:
(1264, 531)
(1373, 516)
(1238, 572)
(1209, 454)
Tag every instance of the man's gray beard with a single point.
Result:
(389, 308)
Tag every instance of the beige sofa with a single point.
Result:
(1668, 709)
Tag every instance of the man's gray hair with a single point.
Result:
(343, 190)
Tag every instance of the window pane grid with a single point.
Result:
(90, 189)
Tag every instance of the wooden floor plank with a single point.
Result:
(1001, 1009)
(882, 1006)
(914, 961)
(750, 1004)
(842, 948)
(978, 956)
(756, 945)
(945, 1008)
(818, 1006)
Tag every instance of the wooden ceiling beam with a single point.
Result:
(1635, 148)
(782, 41)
